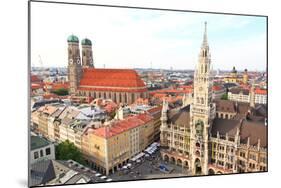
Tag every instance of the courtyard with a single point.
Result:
(148, 168)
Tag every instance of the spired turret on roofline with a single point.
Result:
(205, 39)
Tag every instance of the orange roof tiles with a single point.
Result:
(217, 88)
(261, 91)
(47, 109)
(117, 79)
(35, 78)
(186, 86)
(56, 86)
(36, 86)
(165, 91)
(112, 89)
(155, 109)
(121, 126)
(159, 95)
(50, 95)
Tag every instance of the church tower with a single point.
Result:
(202, 111)
(245, 77)
(87, 54)
(74, 64)
(164, 124)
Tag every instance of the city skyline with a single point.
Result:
(157, 39)
(116, 124)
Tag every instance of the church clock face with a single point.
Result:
(200, 88)
(70, 61)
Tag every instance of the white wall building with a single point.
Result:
(41, 149)
(260, 96)
(239, 95)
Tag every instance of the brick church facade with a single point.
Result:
(121, 85)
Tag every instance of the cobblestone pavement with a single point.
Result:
(148, 169)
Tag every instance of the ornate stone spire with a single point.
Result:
(205, 41)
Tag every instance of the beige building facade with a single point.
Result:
(109, 148)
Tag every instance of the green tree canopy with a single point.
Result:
(67, 150)
(60, 91)
(224, 96)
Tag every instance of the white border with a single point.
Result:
(13, 157)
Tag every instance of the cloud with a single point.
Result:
(128, 38)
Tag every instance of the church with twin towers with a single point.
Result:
(120, 85)
(204, 136)
(208, 136)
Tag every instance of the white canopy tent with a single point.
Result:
(137, 156)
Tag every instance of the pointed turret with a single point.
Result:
(120, 113)
(205, 39)
(164, 115)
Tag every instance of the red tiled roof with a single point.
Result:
(159, 95)
(186, 86)
(217, 88)
(56, 86)
(50, 95)
(260, 91)
(123, 125)
(47, 109)
(155, 109)
(35, 78)
(117, 78)
(112, 89)
(165, 91)
(36, 86)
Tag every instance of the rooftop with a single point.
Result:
(118, 127)
(112, 79)
(38, 142)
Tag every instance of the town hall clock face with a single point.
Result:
(70, 61)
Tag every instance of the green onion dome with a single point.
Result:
(86, 42)
(72, 38)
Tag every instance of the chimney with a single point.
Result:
(248, 142)
(259, 144)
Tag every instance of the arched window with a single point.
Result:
(199, 127)
(133, 97)
(202, 100)
(126, 97)
(114, 97)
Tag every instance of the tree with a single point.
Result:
(60, 91)
(224, 96)
(67, 150)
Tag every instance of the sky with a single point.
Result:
(137, 38)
